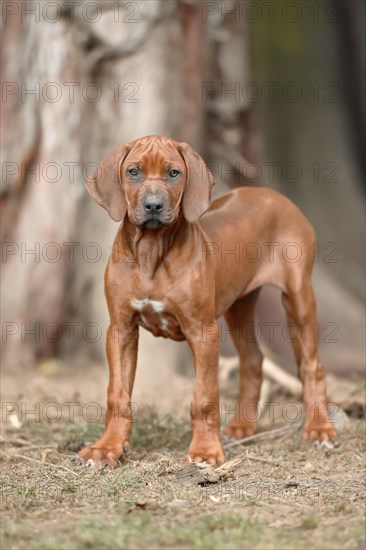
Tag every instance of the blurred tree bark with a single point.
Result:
(100, 76)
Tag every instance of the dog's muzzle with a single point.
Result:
(153, 206)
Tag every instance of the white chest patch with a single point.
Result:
(156, 305)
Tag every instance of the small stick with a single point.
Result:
(18, 442)
(44, 455)
(263, 435)
(286, 380)
(258, 459)
(24, 443)
(53, 448)
(229, 465)
(272, 371)
(46, 464)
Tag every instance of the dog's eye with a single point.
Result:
(133, 172)
(173, 173)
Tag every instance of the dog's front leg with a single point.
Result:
(122, 341)
(205, 405)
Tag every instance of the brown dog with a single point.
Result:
(179, 263)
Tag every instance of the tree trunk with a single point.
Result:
(119, 70)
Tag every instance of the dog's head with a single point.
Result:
(151, 180)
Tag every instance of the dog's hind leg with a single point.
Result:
(300, 306)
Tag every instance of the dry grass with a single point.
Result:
(282, 494)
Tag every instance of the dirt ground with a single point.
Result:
(280, 494)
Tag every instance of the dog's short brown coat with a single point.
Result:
(178, 263)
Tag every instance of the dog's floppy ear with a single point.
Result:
(200, 182)
(105, 185)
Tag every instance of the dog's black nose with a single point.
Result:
(153, 205)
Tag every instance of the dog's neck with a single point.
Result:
(148, 248)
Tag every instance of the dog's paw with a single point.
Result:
(323, 436)
(102, 455)
(212, 454)
(239, 430)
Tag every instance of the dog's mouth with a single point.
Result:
(153, 224)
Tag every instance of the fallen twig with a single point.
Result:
(57, 466)
(261, 436)
(228, 466)
(259, 459)
(272, 371)
(277, 374)
(34, 447)
(17, 442)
